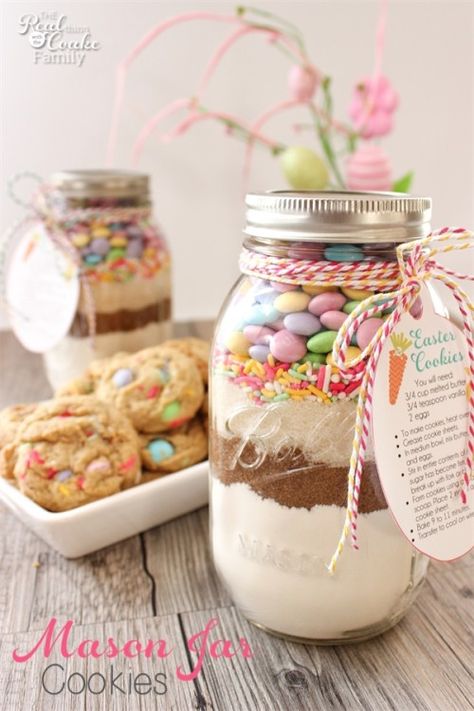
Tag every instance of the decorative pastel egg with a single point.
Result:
(369, 168)
(160, 449)
(302, 82)
(302, 323)
(304, 169)
(333, 320)
(356, 294)
(287, 346)
(367, 331)
(292, 301)
(258, 334)
(315, 290)
(122, 377)
(283, 287)
(100, 246)
(343, 253)
(330, 301)
(322, 342)
(237, 343)
(259, 352)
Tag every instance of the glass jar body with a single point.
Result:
(125, 287)
(281, 428)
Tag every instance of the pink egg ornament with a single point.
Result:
(333, 320)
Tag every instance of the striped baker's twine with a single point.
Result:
(399, 285)
(370, 274)
(416, 267)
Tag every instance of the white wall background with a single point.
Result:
(56, 117)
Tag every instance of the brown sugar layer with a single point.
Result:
(289, 478)
(122, 320)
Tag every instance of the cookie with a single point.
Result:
(74, 450)
(10, 420)
(157, 389)
(86, 383)
(171, 451)
(195, 348)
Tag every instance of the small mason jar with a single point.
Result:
(282, 422)
(124, 262)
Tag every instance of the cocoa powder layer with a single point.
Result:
(122, 320)
(289, 478)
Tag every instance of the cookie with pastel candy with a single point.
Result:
(63, 453)
(73, 450)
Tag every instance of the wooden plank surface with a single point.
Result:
(162, 585)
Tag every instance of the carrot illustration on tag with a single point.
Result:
(398, 363)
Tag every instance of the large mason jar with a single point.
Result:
(105, 216)
(282, 420)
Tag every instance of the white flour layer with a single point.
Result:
(323, 432)
(272, 559)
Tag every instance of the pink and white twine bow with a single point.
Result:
(417, 266)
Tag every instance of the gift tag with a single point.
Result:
(419, 421)
(42, 291)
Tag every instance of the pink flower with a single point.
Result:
(373, 103)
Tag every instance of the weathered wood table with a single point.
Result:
(161, 585)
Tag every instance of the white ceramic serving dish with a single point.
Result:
(93, 526)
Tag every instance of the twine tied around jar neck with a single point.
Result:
(399, 284)
(58, 223)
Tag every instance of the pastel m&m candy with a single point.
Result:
(367, 331)
(259, 352)
(64, 475)
(160, 449)
(237, 343)
(171, 411)
(261, 314)
(98, 465)
(122, 377)
(100, 246)
(322, 342)
(287, 346)
(333, 320)
(356, 294)
(302, 323)
(291, 301)
(330, 301)
(258, 334)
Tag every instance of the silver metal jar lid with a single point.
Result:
(337, 216)
(100, 183)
